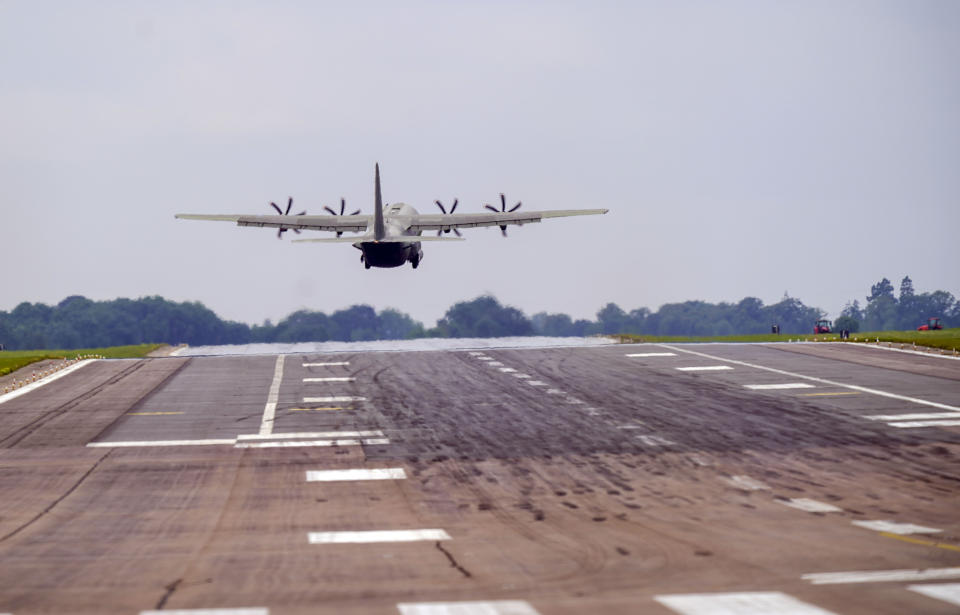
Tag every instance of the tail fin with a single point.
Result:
(379, 232)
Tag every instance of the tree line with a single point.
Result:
(78, 322)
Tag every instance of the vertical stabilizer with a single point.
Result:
(378, 229)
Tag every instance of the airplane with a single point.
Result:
(392, 235)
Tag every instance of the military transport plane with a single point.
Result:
(392, 235)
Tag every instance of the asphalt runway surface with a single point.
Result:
(697, 479)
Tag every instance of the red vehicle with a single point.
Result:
(822, 326)
(932, 325)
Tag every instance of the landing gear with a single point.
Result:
(363, 260)
(415, 261)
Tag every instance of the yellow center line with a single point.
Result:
(921, 541)
(151, 413)
(829, 394)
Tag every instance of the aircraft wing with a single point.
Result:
(445, 222)
(336, 224)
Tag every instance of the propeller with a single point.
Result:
(343, 207)
(452, 209)
(283, 230)
(503, 209)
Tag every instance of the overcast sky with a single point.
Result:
(743, 149)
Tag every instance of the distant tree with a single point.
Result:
(483, 317)
(883, 288)
(611, 319)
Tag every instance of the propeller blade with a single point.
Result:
(503, 230)
(343, 205)
(279, 211)
(280, 233)
(515, 207)
(440, 232)
(355, 213)
(503, 201)
(332, 213)
(440, 205)
(457, 232)
(454, 208)
(302, 213)
(297, 231)
(492, 208)
(289, 205)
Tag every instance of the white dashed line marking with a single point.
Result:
(893, 527)
(326, 538)
(373, 433)
(244, 611)
(507, 370)
(331, 379)
(329, 364)
(334, 399)
(784, 385)
(739, 603)
(704, 368)
(499, 607)
(537, 383)
(926, 424)
(922, 416)
(332, 476)
(947, 592)
(652, 354)
(315, 443)
(521, 376)
(745, 482)
(853, 387)
(655, 441)
(808, 505)
(554, 392)
(270, 410)
(882, 576)
(231, 442)
(495, 364)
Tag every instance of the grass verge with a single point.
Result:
(12, 360)
(947, 339)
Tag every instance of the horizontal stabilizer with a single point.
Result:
(369, 239)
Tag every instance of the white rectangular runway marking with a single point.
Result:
(507, 370)
(498, 607)
(745, 482)
(784, 385)
(704, 368)
(231, 441)
(894, 527)
(926, 424)
(331, 476)
(652, 354)
(948, 592)
(327, 538)
(320, 443)
(521, 376)
(330, 379)
(373, 433)
(739, 603)
(808, 505)
(921, 416)
(655, 441)
(333, 399)
(328, 364)
(244, 611)
(853, 387)
(47, 380)
(536, 383)
(882, 576)
(270, 410)
(495, 364)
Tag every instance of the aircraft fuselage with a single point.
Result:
(396, 221)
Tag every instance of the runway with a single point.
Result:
(652, 478)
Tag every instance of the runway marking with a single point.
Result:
(244, 611)
(331, 379)
(554, 392)
(151, 413)
(499, 607)
(330, 364)
(837, 393)
(524, 376)
(808, 505)
(507, 370)
(537, 383)
(46, 380)
(882, 576)
(475, 353)
(321, 443)
(652, 354)
(703, 368)
(319, 409)
(947, 592)
(374, 433)
(145, 443)
(655, 441)
(495, 364)
(927, 424)
(336, 399)
(270, 410)
(920, 541)
(784, 385)
(738, 603)
(371, 536)
(892, 527)
(639, 425)
(328, 476)
(913, 417)
(854, 387)
(745, 482)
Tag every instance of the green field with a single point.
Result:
(11, 361)
(948, 339)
